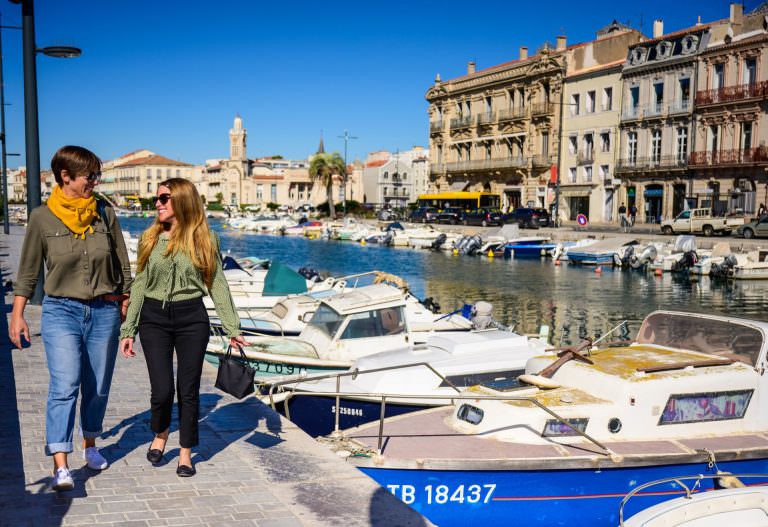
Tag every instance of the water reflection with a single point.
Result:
(574, 302)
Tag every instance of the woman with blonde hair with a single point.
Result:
(178, 264)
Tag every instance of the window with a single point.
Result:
(385, 190)
(149, 173)
(158, 174)
(713, 138)
(746, 135)
(605, 141)
(572, 174)
(658, 96)
(575, 100)
(699, 407)
(607, 104)
(632, 147)
(634, 96)
(545, 144)
(605, 172)
(718, 76)
(386, 174)
(149, 187)
(682, 144)
(377, 323)
(750, 71)
(572, 139)
(590, 102)
(488, 105)
(273, 193)
(520, 98)
(685, 88)
(488, 151)
(589, 144)
(656, 146)
(259, 192)
(405, 176)
(168, 173)
(439, 154)
(468, 109)
(178, 173)
(588, 174)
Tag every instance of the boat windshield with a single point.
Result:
(326, 320)
(719, 337)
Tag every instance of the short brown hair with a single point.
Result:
(75, 160)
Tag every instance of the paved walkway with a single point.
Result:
(254, 467)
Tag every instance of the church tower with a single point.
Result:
(237, 141)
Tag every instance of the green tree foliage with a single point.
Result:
(322, 168)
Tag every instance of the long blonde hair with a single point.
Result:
(191, 235)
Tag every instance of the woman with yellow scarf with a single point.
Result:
(88, 275)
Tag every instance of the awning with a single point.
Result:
(575, 191)
(653, 193)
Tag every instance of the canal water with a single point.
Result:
(574, 302)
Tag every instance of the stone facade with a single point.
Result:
(137, 174)
(498, 129)
(395, 179)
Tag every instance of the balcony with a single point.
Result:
(585, 157)
(681, 106)
(543, 161)
(436, 168)
(631, 112)
(654, 109)
(511, 114)
(742, 92)
(729, 157)
(645, 164)
(436, 126)
(541, 108)
(486, 118)
(461, 122)
(476, 165)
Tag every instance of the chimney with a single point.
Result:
(658, 28)
(737, 14)
(523, 52)
(698, 20)
(470, 67)
(561, 41)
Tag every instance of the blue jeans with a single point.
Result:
(81, 341)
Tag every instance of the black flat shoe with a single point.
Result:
(154, 455)
(185, 471)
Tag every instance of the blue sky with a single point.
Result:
(170, 75)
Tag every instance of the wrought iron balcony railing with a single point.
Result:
(742, 92)
(729, 157)
(436, 126)
(486, 118)
(461, 122)
(509, 114)
(485, 164)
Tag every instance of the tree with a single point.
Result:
(322, 168)
(219, 197)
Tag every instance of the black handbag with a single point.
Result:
(234, 376)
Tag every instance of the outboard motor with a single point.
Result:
(644, 258)
(459, 246)
(439, 241)
(629, 252)
(725, 269)
(309, 274)
(481, 315)
(472, 246)
(685, 263)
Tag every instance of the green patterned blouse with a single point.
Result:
(174, 278)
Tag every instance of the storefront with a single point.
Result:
(577, 201)
(654, 203)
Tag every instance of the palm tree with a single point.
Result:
(323, 167)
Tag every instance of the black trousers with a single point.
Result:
(183, 326)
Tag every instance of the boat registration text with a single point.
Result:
(442, 494)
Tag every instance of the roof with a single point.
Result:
(154, 160)
(366, 298)
(692, 29)
(598, 67)
(379, 163)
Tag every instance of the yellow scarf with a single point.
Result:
(76, 213)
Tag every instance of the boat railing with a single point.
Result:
(384, 396)
(218, 329)
(693, 488)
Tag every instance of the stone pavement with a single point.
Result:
(255, 468)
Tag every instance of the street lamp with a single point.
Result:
(346, 138)
(31, 131)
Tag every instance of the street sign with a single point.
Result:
(581, 220)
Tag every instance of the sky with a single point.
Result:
(171, 75)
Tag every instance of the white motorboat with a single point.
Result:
(442, 366)
(422, 237)
(751, 266)
(609, 251)
(686, 396)
(717, 256)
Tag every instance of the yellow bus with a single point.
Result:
(465, 200)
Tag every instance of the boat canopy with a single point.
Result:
(281, 280)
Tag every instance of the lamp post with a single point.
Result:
(346, 138)
(31, 131)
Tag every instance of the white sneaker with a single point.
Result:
(62, 479)
(94, 459)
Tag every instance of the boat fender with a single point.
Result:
(729, 481)
(544, 383)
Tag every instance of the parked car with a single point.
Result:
(529, 218)
(483, 217)
(423, 215)
(695, 221)
(452, 215)
(754, 229)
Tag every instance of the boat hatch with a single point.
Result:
(724, 337)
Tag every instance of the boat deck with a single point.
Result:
(424, 439)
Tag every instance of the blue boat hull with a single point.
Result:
(316, 415)
(591, 259)
(528, 250)
(540, 497)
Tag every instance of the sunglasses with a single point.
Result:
(162, 198)
(93, 177)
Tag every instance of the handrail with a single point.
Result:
(384, 396)
(688, 491)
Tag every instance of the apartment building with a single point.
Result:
(137, 174)
(588, 184)
(728, 165)
(395, 179)
(657, 122)
(498, 129)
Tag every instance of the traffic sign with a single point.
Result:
(582, 220)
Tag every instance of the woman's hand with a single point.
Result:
(17, 329)
(126, 347)
(238, 342)
(124, 308)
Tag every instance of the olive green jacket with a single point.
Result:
(81, 268)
